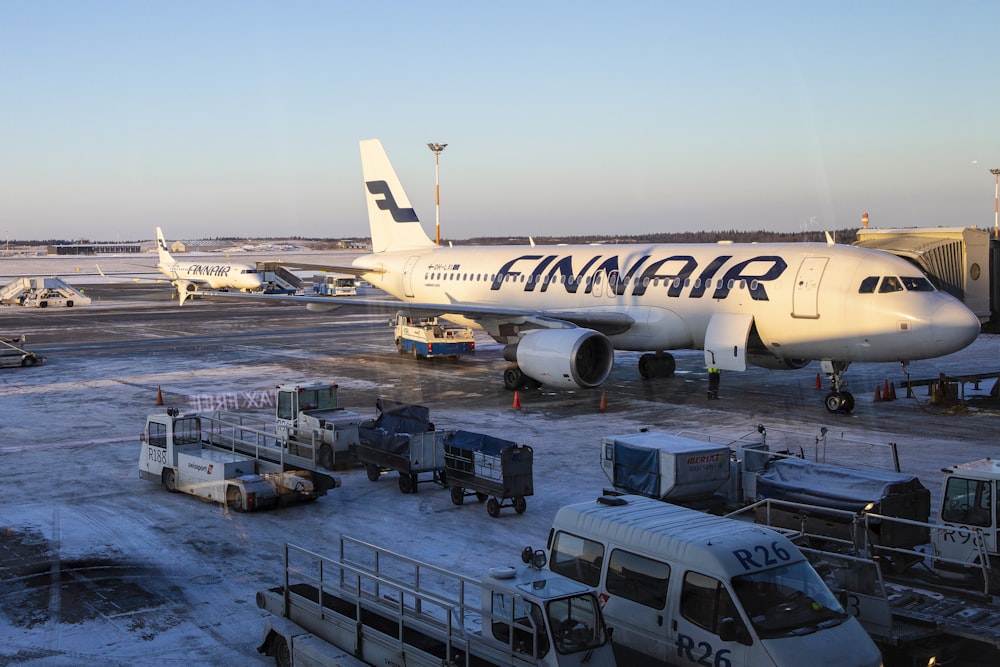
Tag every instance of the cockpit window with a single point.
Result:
(868, 285)
(890, 284)
(917, 284)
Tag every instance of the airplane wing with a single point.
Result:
(608, 322)
(158, 278)
(346, 269)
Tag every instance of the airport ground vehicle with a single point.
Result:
(914, 577)
(684, 587)
(429, 337)
(12, 353)
(242, 468)
(384, 608)
(310, 419)
(493, 469)
(332, 285)
(401, 438)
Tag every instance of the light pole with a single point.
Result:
(996, 203)
(437, 148)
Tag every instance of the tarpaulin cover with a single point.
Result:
(798, 480)
(478, 442)
(396, 421)
(637, 469)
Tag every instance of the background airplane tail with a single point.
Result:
(394, 223)
(161, 247)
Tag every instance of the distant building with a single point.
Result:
(95, 249)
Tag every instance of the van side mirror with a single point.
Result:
(732, 631)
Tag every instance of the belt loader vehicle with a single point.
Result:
(242, 469)
(685, 587)
(310, 419)
(383, 608)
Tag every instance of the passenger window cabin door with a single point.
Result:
(635, 602)
(704, 603)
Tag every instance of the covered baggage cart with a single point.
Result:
(494, 470)
(401, 438)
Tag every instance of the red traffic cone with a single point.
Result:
(885, 391)
(819, 382)
(604, 402)
(878, 394)
(517, 401)
(892, 392)
(159, 396)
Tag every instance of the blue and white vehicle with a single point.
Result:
(430, 337)
(682, 587)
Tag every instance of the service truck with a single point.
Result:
(917, 577)
(309, 418)
(370, 604)
(330, 285)
(242, 468)
(12, 353)
(426, 337)
(685, 587)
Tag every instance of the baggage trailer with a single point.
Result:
(373, 605)
(401, 438)
(184, 453)
(492, 469)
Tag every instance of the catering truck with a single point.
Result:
(685, 587)
(242, 468)
(372, 605)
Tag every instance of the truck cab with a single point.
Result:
(970, 499)
(309, 415)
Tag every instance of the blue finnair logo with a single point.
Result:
(388, 202)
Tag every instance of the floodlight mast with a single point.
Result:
(996, 203)
(437, 148)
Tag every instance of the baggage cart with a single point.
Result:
(494, 470)
(403, 439)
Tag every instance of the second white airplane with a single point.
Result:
(562, 311)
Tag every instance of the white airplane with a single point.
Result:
(190, 277)
(562, 311)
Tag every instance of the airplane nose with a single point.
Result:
(954, 325)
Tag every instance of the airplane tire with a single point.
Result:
(835, 401)
(513, 378)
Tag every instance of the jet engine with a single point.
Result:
(575, 357)
(769, 361)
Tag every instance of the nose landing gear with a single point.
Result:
(837, 400)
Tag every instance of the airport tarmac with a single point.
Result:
(108, 569)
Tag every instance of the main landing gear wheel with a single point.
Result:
(659, 365)
(514, 379)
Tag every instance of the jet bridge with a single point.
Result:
(42, 292)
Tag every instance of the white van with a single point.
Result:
(682, 587)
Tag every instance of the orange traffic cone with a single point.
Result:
(517, 401)
(819, 383)
(892, 392)
(878, 394)
(159, 396)
(885, 391)
(604, 402)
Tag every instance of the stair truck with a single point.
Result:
(427, 337)
(401, 438)
(245, 471)
(918, 579)
(310, 419)
(372, 605)
(685, 587)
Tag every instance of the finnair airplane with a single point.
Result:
(190, 277)
(562, 311)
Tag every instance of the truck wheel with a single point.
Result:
(279, 649)
(493, 507)
(326, 456)
(407, 483)
(457, 495)
(520, 504)
(373, 472)
(28, 361)
(234, 498)
(399, 345)
(170, 480)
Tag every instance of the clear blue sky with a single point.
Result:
(220, 118)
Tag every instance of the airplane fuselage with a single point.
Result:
(805, 299)
(215, 275)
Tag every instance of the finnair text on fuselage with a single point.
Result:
(213, 270)
(678, 272)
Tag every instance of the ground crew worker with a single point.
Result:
(714, 375)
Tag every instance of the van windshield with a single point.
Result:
(788, 600)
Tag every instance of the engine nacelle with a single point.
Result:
(771, 362)
(575, 357)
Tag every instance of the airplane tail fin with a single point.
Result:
(161, 247)
(394, 223)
